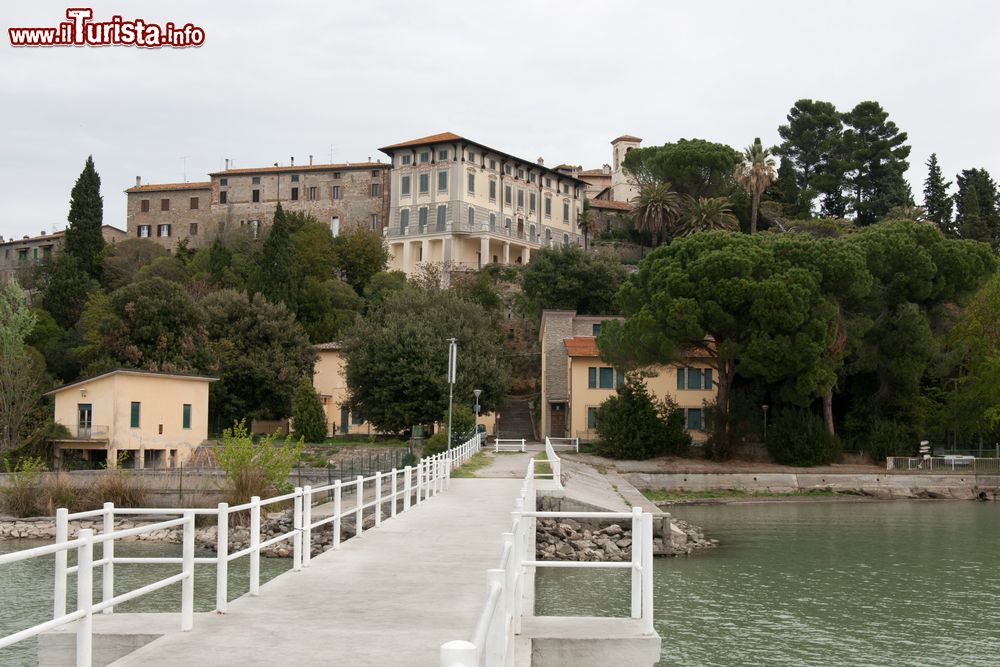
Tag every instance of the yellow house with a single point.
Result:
(330, 382)
(155, 420)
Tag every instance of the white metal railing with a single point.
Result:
(948, 463)
(554, 462)
(413, 484)
(499, 621)
(565, 443)
(509, 445)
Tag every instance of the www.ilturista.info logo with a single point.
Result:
(80, 30)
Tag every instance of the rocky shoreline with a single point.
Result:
(567, 539)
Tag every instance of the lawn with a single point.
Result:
(477, 462)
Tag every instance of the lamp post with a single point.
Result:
(452, 359)
(476, 393)
(764, 408)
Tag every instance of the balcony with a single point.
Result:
(92, 432)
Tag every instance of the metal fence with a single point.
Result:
(952, 463)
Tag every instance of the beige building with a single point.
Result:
(330, 382)
(462, 205)
(575, 380)
(340, 195)
(153, 420)
(19, 255)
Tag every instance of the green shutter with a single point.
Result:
(607, 378)
(694, 378)
(708, 378)
(591, 417)
(619, 379)
(135, 414)
(186, 420)
(680, 377)
(592, 377)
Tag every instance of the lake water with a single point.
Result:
(877, 583)
(26, 587)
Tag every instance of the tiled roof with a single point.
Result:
(432, 139)
(166, 187)
(581, 346)
(133, 371)
(593, 172)
(297, 169)
(610, 204)
(626, 137)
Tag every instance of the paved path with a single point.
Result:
(391, 597)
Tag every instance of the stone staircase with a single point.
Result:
(515, 419)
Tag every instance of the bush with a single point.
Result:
(21, 496)
(307, 410)
(798, 437)
(255, 469)
(436, 444)
(59, 492)
(119, 487)
(632, 424)
(891, 438)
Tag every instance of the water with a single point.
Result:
(26, 587)
(895, 583)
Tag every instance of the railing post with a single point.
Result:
(59, 590)
(638, 573)
(187, 566)
(495, 651)
(523, 445)
(458, 653)
(359, 514)
(222, 559)
(306, 525)
(85, 596)
(378, 498)
(392, 492)
(108, 554)
(517, 557)
(446, 473)
(407, 486)
(255, 545)
(647, 573)
(511, 574)
(297, 531)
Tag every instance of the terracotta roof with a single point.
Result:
(593, 172)
(297, 169)
(581, 346)
(132, 371)
(432, 139)
(625, 137)
(610, 204)
(165, 187)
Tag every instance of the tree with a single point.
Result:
(634, 424)
(977, 214)
(755, 173)
(84, 239)
(707, 214)
(810, 143)
(567, 278)
(307, 409)
(21, 375)
(122, 261)
(66, 290)
(656, 210)
(397, 358)
(276, 280)
(695, 167)
(875, 153)
(585, 223)
(381, 286)
(327, 308)
(359, 254)
(937, 202)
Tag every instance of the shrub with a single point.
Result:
(436, 444)
(633, 424)
(59, 492)
(21, 496)
(255, 469)
(119, 487)
(463, 422)
(891, 438)
(798, 437)
(307, 409)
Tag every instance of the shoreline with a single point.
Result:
(749, 500)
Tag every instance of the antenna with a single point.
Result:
(184, 159)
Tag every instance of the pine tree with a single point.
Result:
(307, 410)
(874, 160)
(977, 215)
(86, 216)
(277, 282)
(937, 202)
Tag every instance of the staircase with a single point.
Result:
(515, 419)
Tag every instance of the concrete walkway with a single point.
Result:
(391, 597)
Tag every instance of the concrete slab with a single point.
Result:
(590, 486)
(557, 641)
(114, 636)
(391, 597)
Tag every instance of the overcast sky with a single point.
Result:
(551, 79)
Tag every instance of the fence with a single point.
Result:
(509, 445)
(555, 463)
(410, 486)
(943, 464)
(492, 643)
(565, 443)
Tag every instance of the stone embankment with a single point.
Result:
(567, 539)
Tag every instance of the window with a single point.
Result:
(531, 233)
(442, 181)
(520, 174)
(548, 182)
(506, 225)
(34, 254)
(405, 159)
(164, 204)
(507, 194)
(423, 219)
(144, 231)
(222, 196)
(144, 206)
(472, 217)
(472, 156)
(591, 418)
(606, 378)
(425, 183)
(694, 378)
(442, 212)
(531, 202)
(493, 222)
(565, 212)
(520, 198)
(357, 417)
(508, 170)
(548, 237)
(472, 184)
(194, 203)
(695, 419)
(493, 165)
(255, 198)
(223, 181)
(295, 194)
(193, 229)
(595, 329)
(443, 154)
(295, 178)
(565, 239)
(493, 190)
(336, 175)
(22, 255)
(186, 416)
(404, 186)
(374, 221)
(376, 190)
(565, 189)
(548, 207)
(531, 177)
(335, 226)
(136, 408)
(404, 220)
(163, 231)
(255, 180)
(313, 195)
(374, 173)
(425, 157)
(335, 192)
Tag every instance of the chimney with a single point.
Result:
(42, 233)
(606, 170)
(310, 160)
(369, 158)
(541, 162)
(138, 181)
(227, 164)
(292, 160)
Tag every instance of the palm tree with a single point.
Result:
(755, 173)
(585, 222)
(706, 214)
(657, 209)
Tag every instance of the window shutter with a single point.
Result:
(708, 378)
(134, 422)
(680, 378)
(619, 379)
(592, 377)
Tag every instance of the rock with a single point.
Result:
(613, 529)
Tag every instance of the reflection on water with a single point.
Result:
(26, 587)
(898, 583)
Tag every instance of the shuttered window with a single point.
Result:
(136, 407)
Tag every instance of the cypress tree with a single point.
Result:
(937, 202)
(84, 240)
(976, 212)
(277, 283)
(307, 410)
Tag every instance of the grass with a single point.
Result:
(663, 495)
(542, 466)
(477, 462)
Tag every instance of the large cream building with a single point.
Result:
(463, 205)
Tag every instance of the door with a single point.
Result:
(85, 421)
(558, 427)
(345, 415)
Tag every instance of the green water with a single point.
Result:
(895, 583)
(26, 588)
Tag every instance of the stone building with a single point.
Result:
(462, 205)
(340, 195)
(20, 255)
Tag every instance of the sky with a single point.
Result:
(557, 80)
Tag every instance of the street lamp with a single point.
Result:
(476, 393)
(452, 359)
(764, 408)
